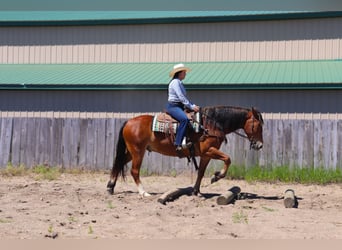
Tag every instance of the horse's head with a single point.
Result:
(253, 128)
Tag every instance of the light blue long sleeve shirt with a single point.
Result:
(177, 93)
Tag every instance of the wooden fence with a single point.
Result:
(88, 140)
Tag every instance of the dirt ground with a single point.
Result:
(78, 207)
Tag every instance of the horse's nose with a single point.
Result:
(259, 145)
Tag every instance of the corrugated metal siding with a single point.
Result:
(232, 41)
(289, 101)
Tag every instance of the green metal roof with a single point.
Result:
(204, 75)
(45, 18)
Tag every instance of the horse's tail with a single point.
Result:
(119, 166)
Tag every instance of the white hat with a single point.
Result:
(177, 68)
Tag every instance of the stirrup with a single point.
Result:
(186, 144)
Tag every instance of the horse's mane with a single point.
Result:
(226, 117)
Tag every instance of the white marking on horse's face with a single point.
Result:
(258, 145)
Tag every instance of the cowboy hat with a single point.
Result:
(177, 68)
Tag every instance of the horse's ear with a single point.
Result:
(257, 114)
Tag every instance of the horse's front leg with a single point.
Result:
(201, 170)
(216, 154)
(212, 153)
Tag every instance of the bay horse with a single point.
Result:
(136, 136)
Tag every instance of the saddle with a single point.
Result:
(163, 122)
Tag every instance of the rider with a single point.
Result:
(178, 101)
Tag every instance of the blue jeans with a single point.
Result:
(177, 112)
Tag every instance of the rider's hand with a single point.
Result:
(196, 108)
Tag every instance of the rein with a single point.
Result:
(245, 136)
(242, 135)
(251, 140)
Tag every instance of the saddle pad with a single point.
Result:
(167, 126)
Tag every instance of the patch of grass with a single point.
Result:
(90, 230)
(40, 171)
(240, 217)
(173, 172)
(50, 229)
(110, 205)
(72, 219)
(75, 171)
(46, 172)
(5, 221)
(236, 172)
(286, 174)
(144, 172)
(11, 170)
(268, 209)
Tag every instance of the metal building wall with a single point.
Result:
(270, 101)
(305, 39)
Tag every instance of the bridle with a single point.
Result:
(251, 139)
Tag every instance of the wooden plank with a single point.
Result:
(70, 142)
(326, 143)
(294, 144)
(308, 142)
(287, 142)
(56, 137)
(318, 144)
(5, 140)
(43, 140)
(339, 145)
(34, 146)
(15, 155)
(31, 141)
(90, 154)
(267, 148)
(241, 144)
(83, 142)
(109, 144)
(334, 144)
(100, 145)
(75, 142)
(298, 145)
(67, 133)
(23, 140)
(46, 140)
(41, 147)
(273, 153)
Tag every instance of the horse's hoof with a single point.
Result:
(110, 191)
(195, 192)
(213, 179)
(110, 187)
(145, 194)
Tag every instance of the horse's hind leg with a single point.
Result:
(137, 158)
(115, 174)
